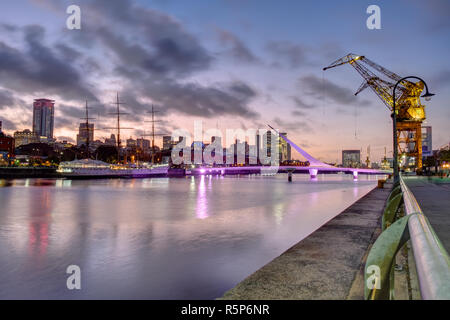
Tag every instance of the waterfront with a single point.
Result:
(186, 238)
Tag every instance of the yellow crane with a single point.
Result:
(409, 111)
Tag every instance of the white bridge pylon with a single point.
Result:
(312, 161)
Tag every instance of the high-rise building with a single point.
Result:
(144, 144)
(84, 133)
(427, 142)
(111, 141)
(6, 147)
(267, 144)
(25, 137)
(0, 126)
(168, 143)
(351, 158)
(258, 144)
(284, 148)
(43, 118)
(131, 143)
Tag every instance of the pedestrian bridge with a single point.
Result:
(313, 171)
(316, 167)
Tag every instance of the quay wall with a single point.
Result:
(326, 264)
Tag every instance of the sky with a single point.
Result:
(233, 64)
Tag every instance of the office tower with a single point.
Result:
(284, 148)
(84, 133)
(131, 143)
(144, 144)
(111, 141)
(351, 158)
(167, 142)
(43, 117)
(427, 142)
(25, 137)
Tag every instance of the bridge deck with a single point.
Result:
(433, 196)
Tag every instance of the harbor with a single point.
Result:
(205, 233)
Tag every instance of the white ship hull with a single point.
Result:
(88, 170)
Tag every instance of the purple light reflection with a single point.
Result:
(202, 202)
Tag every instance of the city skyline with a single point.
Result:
(235, 69)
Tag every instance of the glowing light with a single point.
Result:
(313, 173)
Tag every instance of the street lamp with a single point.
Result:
(427, 97)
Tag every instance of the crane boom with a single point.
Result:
(409, 111)
(407, 93)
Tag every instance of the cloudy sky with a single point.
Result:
(231, 63)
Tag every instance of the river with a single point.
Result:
(161, 238)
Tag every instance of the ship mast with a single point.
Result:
(88, 151)
(117, 127)
(153, 131)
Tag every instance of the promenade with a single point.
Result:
(433, 196)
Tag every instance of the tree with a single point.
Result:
(106, 153)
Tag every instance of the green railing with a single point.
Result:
(403, 220)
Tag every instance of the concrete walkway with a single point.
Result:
(325, 264)
(433, 196)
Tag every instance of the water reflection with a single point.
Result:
(39, 224)
(159, 238)
(202, 201)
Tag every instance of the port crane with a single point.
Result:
(409, 111)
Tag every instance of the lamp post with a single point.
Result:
(427, 97)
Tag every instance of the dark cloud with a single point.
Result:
(65, 138)
(6, 27)
(144, 40)
(237, 48)
(149, 55)
(440, 80)
(302, 105)
(7, 99)
(324, 88)
(293, 55)
(162, 57)
(298, 113)
(152, 64)
(292, 126)
(8, 125)
(204, 101)
(39, 69)
(436, 11)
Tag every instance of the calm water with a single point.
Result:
(186, 238)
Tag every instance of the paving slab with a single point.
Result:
(433, 196)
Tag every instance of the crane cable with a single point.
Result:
(323, 93)
(356, 122)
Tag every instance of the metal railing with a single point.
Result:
(431, 259)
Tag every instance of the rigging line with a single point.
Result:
(356, 117)
(323, 93)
